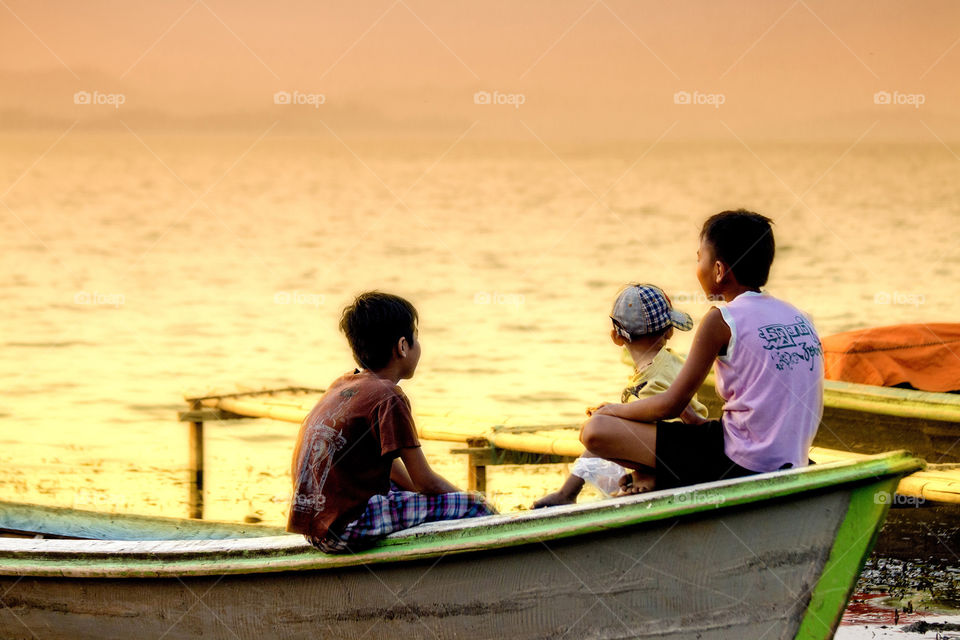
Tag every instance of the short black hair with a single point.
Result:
(374, 323)
(743, 240)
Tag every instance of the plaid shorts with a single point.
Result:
(400, 510)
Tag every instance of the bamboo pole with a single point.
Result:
(196, 463)
(477, 465)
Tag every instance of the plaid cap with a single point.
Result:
(641, 309)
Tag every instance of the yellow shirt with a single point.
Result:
(656, 378)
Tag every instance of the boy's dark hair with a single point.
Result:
(374, 323)
(743, 240)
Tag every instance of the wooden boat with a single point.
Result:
(913, 356)
(774, 555)
(38, 521)
(866, 419)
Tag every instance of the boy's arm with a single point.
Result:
(422, 477)
(398, 437)
(400, 477)
(712, 335)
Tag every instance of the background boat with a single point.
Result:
(867, 419)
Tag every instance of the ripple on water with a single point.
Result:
(528, 398)
(263, 437)
(49, 345)
(523, 328)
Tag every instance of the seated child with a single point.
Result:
(358, 471)
(769, 371)
(643, 321)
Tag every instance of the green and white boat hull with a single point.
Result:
(772, 556)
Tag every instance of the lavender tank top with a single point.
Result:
(771, 382)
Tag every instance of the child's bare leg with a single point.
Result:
(567, 494)
(621, 440)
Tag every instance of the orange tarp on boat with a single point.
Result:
(925, 356)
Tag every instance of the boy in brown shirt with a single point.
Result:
(358, 471)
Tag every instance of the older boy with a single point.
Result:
(769, 369)
(358, 471)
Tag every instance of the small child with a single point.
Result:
(643, 321)
(769, 371)
(358, 471)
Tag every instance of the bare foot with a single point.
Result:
(636, 482)
(566, 494)
(554, 499)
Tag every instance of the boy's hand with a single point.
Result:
(596, 409)
(604, 409)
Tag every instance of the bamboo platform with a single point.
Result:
(498, 440)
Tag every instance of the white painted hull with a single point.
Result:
(745, 572)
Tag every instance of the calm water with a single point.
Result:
(139, 269)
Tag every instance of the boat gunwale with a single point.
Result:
(889, 401)
(83, 524)
(139, 559)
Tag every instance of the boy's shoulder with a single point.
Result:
(365, 388)
(656, 378)
(667, 355)
(763, 297)
(358, 400)
(664, 366)
(751, 302)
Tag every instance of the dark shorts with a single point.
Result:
(693, 453)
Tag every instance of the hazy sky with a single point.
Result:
(590, 70)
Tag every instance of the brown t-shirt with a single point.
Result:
(344, 452)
